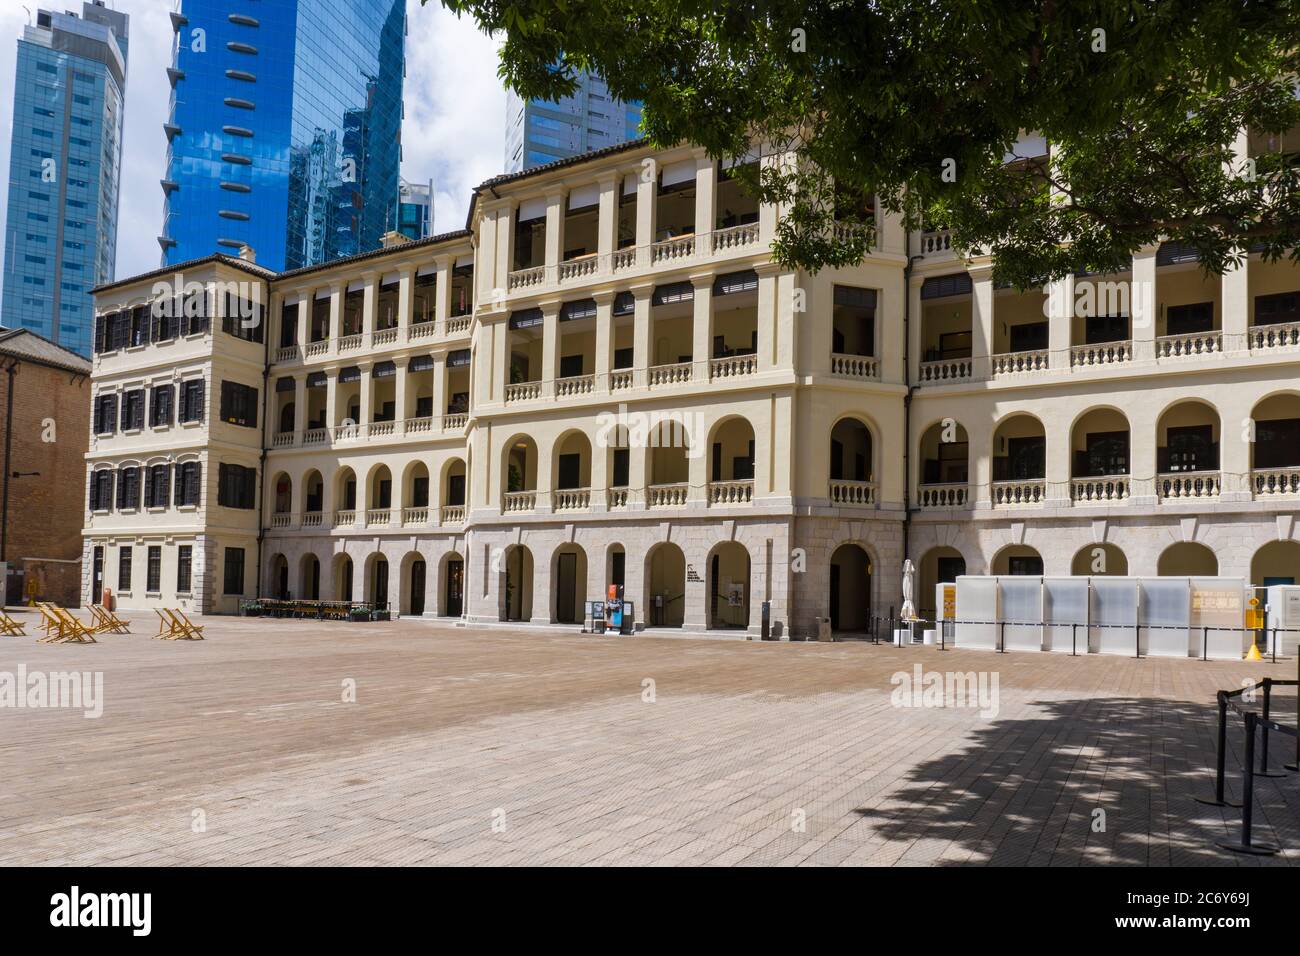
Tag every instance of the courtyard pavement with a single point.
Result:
(413, 742)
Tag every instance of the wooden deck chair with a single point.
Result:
(10, 627)
(191, 631)
(74, 631)
(50, 623)
(106, 620)
(168, 627)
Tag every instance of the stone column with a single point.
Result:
(336, 316)
(641, 298)
(604, 339)
(550, 347)
(981, 321)
(916, 327)
(331, 401)
(405, 300)
(1144, 304)
(440, 388)
(607, 222)
(554, 233)
(366, 397)
(770, 315)
(305, 301)
(706, 187)
(1060, 322)
(442, 304)
(299, 407)
(702, 328)
(647, 192)
(401, 403)
(369, 304)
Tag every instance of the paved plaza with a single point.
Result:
(414, 742)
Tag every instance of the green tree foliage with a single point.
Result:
(920, 103)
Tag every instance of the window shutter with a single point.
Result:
(155, 332)
(99, 415)
(121, 489)
(137, 411)
(99, 333)
(196, 409)
(194, 484)
(167, 483)
(148, 486)
(110, 414)
(94, 490)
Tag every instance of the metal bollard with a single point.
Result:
(1263, 749)
(1248, 797)
(1220, 799)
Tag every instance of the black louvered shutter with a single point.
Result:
(121, 488)
(110, 414)
(99, 333)
(98, 422)
(166, 482)
(196, 412)
(147, 477)
(137, 410)
(193, 484)
(125, 421)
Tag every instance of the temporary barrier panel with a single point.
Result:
(1021, 602)
(977, 600)
(1065, 604)
(1165, 611)
(1283, 618)
(1218, 613)
(1113, 616)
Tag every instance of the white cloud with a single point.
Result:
(453, 133)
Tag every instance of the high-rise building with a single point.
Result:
(285, 128)
(540, 132)
(415, 210)
(64, 171)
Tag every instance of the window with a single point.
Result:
(621, 462)
(187, 483)
(133, 409)
(128, 487)
(1278, 308)
(1187, 319)
(239, 404)
(234, 576)
(1277, 443)
(1025, 460)
(853, 321)
(420, 492)
(184, 560)
(1189, 448)
(105, 414)
(456, 489)
(101, 490)
(236, 486)
(1031, 565)
(191, 403)
(1099, 329)
(124, 569)
(569, 471)
(242, 318)
(153, 570)
(157, 486)
(139, 329)
(1029, 337)
(1105, 453)
(160, 406)
(570, 366)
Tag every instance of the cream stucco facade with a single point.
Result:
(609, 378)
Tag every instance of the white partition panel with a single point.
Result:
(1283, 604)
(977, 609)
(1021, 602)
(1113, 615)
(1165, 610)
(1218, 613)
(1065, 604)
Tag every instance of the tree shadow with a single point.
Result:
(1028, 791)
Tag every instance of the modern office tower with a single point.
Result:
(415, 210)
(611, 380)
(285, 129)
(64, 171)
(539, 132)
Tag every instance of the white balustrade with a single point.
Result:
(1197, 343)
(946, 370)
(667, 496)
(863, 367)
(1099, 489)
(671, 250)
(731, 492)
(735, 237)
(1188, 485)
(947, 495)
(571, 499)
(523, 391)
(1031, 491)
(526, 278)
(575, 385)
(853, 493)
(1103, 353)
(1010, 363)
(675, 374)
(513, 501)
(733, 366)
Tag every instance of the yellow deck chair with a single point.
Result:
(10, 627)
(168, 627)
(189, 630)
(74, 631)
(106, 620)
(50, 623)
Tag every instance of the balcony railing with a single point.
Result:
(1189, 484)
(624, 259)
(350, 343)
(575, 385)
(1100, 489)
(735, 237)
(315, 436)
(378, 518)
(416, 426)
(863, 367)
(383, 336)
(526, 278)
(577, 268)
(571, 499)
(946, 370)
(381, 429)
(281, 519)
(414, 517)
(346, 433)
(1197, 343)
(311, 519)
(1104, 353)
(317, 348)
(286, 353)
(681, 247)
(516, 501)
(620, 379)
(283, 440)
(616, 498)
(454, 423)
(523, 391)
(453, 514)
(936, 243)
(1283, 335)
(733, 366)
(345, 519)
(660, 375)
(424, 330)
(1011, 363)
(667, 496)
(457, 324)
(1030, 491)
(948, 495)
(731, 492)
(852, 493)
(1271, 482)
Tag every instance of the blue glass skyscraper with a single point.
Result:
(285, 128)
(64, 172)
(540, 132)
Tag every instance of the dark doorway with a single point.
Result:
(379, 594)
(97, 577)
(566, 573)
(455, 596)
(282, 587)
(417, 587)
(617, 568)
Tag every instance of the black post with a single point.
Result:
(1205, 642)
(1074, 639)
(1263, 750)
(1137, 640)
(1296, 764)
(1274, 643)
(1002, 637)
(1248, 797)
(1221, 757)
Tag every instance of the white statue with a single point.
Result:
(909, 609)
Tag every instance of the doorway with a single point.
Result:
(566, 582)
(97, 577)
(417, 586)
(455, 595)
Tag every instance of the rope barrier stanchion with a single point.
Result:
(1247, 845)
(1205, 642)
(1074, 639)
(1263, 770)
(1296, 764)
(1220, 799)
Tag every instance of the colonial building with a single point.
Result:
(607, 378)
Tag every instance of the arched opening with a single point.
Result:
(850, 589)
(851, 461)
(342, 578)
(282, 487)
(377, 586)
(1187, 451)
(414, 574)
(1275, 452)
(1017, 559)
(287, 411)
(517, 586)
(309, 577)
(1100, 560)
(381, 489)
(415, 487)
(944, 465)
(1019, 461)
(669, 480)
(1187, 558)
(731, 462)
(569, 574)
(941, 565)
(280, 577)
(345, 491)
(571, 476)
(453, 491)
(617, 466)
(729, 574)
(665, 577)
(1277, 562)
(1099, 456)
(520, 478)
(452, 585)
(615, 568)
(313, 487)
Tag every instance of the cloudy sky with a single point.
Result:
(453, 132)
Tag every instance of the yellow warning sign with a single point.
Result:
(950, 602)
(1254, 615)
